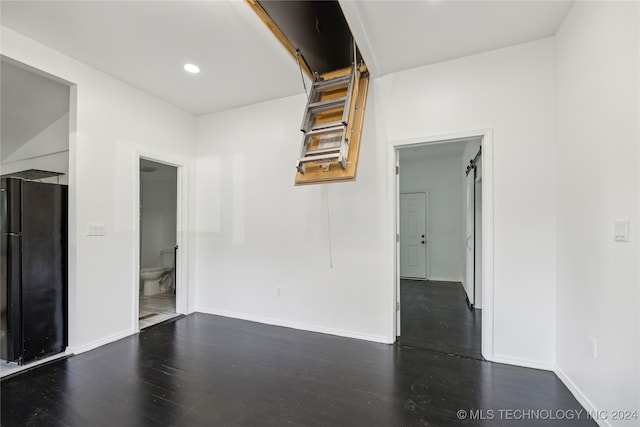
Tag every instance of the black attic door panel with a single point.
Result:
(317, 28)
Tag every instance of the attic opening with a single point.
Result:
(319, 40)
(317, 28)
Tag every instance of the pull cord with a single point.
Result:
(326, 192)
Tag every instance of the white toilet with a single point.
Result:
(156, 280)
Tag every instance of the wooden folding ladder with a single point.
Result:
(327, 120)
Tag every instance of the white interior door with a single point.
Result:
(413, 238)
(469, 248)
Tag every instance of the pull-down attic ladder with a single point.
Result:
(334, 115)
(326, 124)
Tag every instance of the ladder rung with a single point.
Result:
(324, 85)
(320, 157)
(328, 104)
(321, 126)
(323, 150)
(320, 131)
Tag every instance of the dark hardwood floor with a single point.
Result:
(435, 316)
(204, 370)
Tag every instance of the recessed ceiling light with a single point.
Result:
(191, 68)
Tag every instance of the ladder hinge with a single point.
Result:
(397, 306)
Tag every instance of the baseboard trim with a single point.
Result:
(294, 325)
(445, 279)
(100, 342)
(525, 363)
(580, 397)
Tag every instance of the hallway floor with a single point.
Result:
(435, 316)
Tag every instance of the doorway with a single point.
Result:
(158, 242)
(434, 313)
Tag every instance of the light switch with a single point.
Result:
(621, 231)
(95, 229)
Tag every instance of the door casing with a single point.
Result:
(182, 284)
(486, 137)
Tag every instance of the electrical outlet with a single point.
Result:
(594, 348)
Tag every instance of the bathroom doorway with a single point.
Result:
(158, 242)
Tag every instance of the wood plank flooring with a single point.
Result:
(204, 370)
(435, 316)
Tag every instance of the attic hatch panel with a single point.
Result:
(318, 29)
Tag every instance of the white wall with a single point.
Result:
(598, 183)
(113, 124)
(257, 232)
(512, 92)
(441, 179)
(249, 213)
(49, 150)
(58, 162)
(159, 216)
(35, 121)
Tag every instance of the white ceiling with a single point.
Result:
(146, 43)
(398, 35)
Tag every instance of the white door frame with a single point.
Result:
(426, 228)
(486, 136)
(182, 284)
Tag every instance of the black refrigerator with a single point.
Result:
(34, 269)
